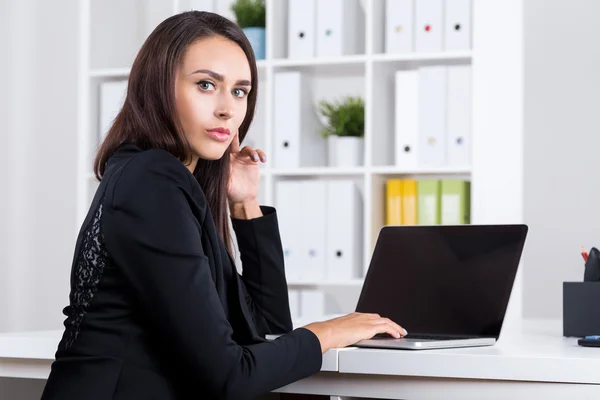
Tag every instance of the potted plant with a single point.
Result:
(250, 16)
(344, 128)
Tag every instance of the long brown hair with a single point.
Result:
(148, 117)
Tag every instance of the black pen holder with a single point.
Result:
(581, 309)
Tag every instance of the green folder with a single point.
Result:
(429, 202)
(456, 202)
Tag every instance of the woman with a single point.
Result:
(157, 309)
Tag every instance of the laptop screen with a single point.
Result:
(444, 279)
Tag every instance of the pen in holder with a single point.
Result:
(581, 299)
(592, 266)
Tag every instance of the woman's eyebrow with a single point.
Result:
(220, 78)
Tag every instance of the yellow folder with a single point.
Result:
(393, 202)
(409, 202)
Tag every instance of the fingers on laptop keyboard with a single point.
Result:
(385, 325)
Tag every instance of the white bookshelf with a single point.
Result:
(111, 32)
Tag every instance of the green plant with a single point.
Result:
(249, 13)
(344, 118)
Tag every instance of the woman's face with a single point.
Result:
(211, 94)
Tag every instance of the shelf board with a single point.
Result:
(393, 170)
(442, 55)
(319, 171)
(261, 64)
(110, 73)
(319, 61)
(361, 58)
(358, 282)
(355, 171)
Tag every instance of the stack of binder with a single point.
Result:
(427, 25)
(297, 142)
(324, 28)
(427, 202)
(433, 116)
(307, 303)
(321, 229)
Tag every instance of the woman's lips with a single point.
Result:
(219, 134)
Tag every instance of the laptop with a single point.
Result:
(448, 286)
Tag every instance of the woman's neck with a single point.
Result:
(192, 164)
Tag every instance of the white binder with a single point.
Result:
(457, 25)
(255, 136)
(297, 142)
(301, 28)
(432, 116)
(337, 31)
(344, 230)
(399, 26)
(459, 115)
(407, 118)
(429, 25)
(312, 303)
(294, 301)
(288, 198)
(312, 229)
(112, 97)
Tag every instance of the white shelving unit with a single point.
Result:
(111, 32)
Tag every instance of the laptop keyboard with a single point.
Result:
(425, 337)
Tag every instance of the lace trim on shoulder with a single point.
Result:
(85, 277)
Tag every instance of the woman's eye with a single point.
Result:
(239, 92)
(205, 85)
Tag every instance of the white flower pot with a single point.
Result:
(345, 151)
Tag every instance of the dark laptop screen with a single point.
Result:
(444, 279)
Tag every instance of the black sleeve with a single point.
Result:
(153, 236)
(263, 272)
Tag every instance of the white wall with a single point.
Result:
(38, 123)
(537, 120)
(4, 164)
(37, 176)
(561, 147)
(562, 126)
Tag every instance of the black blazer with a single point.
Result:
(157, 308)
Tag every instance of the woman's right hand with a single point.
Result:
(349, 329)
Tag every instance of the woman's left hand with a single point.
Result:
(244, 173)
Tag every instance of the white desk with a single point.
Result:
(27, 354)
(538, 363)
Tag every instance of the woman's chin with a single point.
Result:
(212, 156)
(212, 153)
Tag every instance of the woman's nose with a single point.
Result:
(224, 110)
(223, 113)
